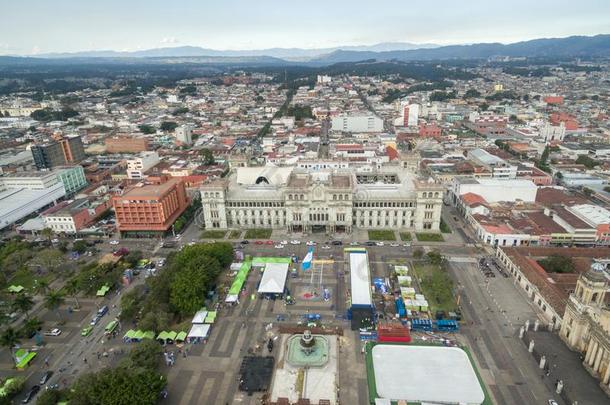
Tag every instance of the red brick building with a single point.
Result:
(570, 122)
(429, 130)
(151, 207)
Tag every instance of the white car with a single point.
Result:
(280, 246)
(284, 242)
(354, 243)
(394, 244)
(295, 242)
(114, 242)
(54, 240)
(325, 247)
(380, 244)
(408, 244)
(53, 332)
(311, 243)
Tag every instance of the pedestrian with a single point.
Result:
(85, 360)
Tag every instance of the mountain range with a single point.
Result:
(576, 46)
(289, 54)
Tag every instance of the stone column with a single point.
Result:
(593, 354)
(598, 359)
(606, 378)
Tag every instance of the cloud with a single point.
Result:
(169, 40)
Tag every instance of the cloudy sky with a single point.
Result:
(40, 26)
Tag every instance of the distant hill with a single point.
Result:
(285, 53)
(576, 46)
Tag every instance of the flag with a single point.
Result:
(307, 259)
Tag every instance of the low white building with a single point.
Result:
(494, 190)
(357, 123)
(138, 165)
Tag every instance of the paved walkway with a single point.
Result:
(566, 365)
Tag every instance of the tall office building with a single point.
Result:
(58, 153)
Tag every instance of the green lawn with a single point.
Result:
(444, 227)
(213, 234)
(405, 236)
(429, 237)
(437, 286)
(234, 234)
(258, 233)
(384, 234)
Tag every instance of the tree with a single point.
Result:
(557, 264)
(168, 126)
(418, 253)
(472, 93)
(80, 246)
(132, 258)
(119, 386)
(145, 355)
(16, 260)
(435, 258)
(589, 162)
(49, 259)
(73, 288)
(208, 157)
(23, 303)
(42, 286)
(50, 397)
(190, 286)
(484, 107)
(47, 233)
(31, 326)
(53, 301)
(9, 338)
(147, 129)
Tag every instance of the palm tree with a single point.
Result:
(53, 300)
(47, 233)
(42, 286)
(73, 288)
(23, 303)
(9, 339)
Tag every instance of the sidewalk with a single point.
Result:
(566, 365)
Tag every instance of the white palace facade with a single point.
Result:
(326, 200)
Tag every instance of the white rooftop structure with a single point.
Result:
(200, 316)
(199, 330)
(360, 279)
(16, 204)
(594, 215)
(426, 374)
(274, 278)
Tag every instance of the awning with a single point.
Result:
(130, 334)
(180, 337)
(211, 318)
(200, 316)
(15, 289)
(274, 278)
(103, 291)
(199, 331)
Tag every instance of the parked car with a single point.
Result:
(269, 242)
(31, 393)
(553, 402)
(337, 243)
(53, 332)
(354, 243)
(370, 243)
(94, 320)
(380, 244)
(295, 242)
(45, 377)
(394, 244)
(325, 247)
(311, 243)
(259, 242)
(244, 242)
(280, 246)
(284, 242)
(114, 242)
(55, 240)
(102, 311)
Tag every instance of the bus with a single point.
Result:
(111, 327)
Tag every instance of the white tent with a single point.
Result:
(231, 298)
(200, 316)
(274, 278)
(199, 331)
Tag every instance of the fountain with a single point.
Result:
(308, 350)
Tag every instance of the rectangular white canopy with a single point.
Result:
(360, 279)
(200, 316)
(199, 331)
(274, 278)
(231, 298)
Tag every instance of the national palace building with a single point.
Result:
(327, 199)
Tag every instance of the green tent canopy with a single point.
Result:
(211, 317)
(14, 289)
(181, 337)
(162, 335)
(171, 335)
(103, 291)
(130, 334)
(148, 335)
